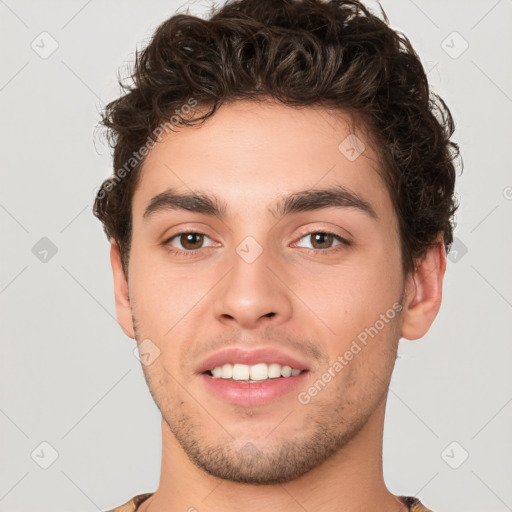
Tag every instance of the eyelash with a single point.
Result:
(182, 252)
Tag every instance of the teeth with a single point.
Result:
(227, 371)
(240, 372)
(286, 371)
(255, 372)
(258, 371)
(274, 370)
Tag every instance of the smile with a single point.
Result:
(253, 373)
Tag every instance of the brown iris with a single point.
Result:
(191, 241)
(324, 240)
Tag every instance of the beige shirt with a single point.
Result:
(133, 505)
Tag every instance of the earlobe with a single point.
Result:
(423, 292)
(123, 310)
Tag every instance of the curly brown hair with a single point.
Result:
(335, 54)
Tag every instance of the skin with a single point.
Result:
(325, 455)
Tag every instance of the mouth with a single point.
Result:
(251, 377)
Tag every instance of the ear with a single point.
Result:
(123, 311)
(423, 292)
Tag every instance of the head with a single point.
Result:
(283, 177)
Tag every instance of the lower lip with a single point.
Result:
(251, 394)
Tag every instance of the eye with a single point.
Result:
(187, 242)
(321, 241)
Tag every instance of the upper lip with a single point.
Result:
(252, 356)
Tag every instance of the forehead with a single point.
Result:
(250, 154)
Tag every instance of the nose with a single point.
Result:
(253, 294)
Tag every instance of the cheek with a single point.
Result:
(166, 298)
(347, 301)
(350, 295)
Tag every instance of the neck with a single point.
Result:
(351, 479)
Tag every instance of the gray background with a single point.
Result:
(69, 377)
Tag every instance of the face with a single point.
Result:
(289, 255)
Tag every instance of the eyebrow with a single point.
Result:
(302, 201)
(317, 199)
(194, 202)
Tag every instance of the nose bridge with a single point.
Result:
(251, 294)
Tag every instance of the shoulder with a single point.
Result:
(414, 504)
(133, 504)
